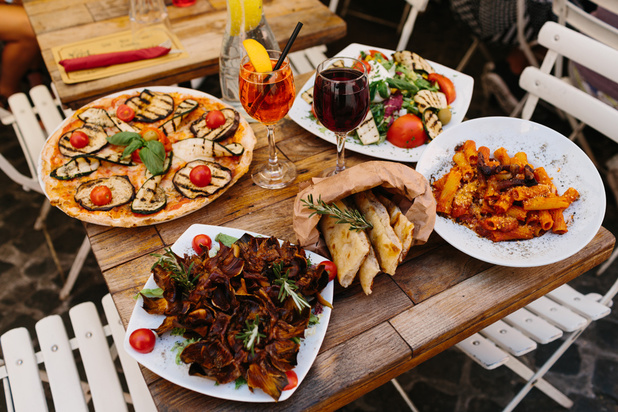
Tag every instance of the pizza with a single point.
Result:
(145, 156)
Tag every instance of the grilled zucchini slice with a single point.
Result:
(76, 167)
(150, 198)
(98, 140)
(151, 107)
(221, 177)
(426, 99)
(200, 130)
(185, 107)
(96, 115)
(196, 148)
(432, 124)
(122, 192)
(368, 130)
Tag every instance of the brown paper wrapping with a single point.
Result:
(412, 194)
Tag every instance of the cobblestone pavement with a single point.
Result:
(587, 373)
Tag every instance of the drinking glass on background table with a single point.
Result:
(341, 100)
(267, 97)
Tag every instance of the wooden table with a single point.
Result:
(199, 28)
(438, 297)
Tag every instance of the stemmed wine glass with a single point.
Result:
(341, 100)
(267, 97)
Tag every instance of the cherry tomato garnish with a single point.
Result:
(330, 267)
(142, 340)
(407, 132)
(79, 139)
(125, 113)
(200, 176)
(292, 380)
(101, 195)
(167, 145)
(214, 119)
(152, 133)
(446, 86)
(200, 243)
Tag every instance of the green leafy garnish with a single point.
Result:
(152, 152)
(239, 382)
(227, 240)
(251, 335)
(150, 293)
(178, 331)
(313, 319)
(353, 217)
(288, 288)
(180, 273)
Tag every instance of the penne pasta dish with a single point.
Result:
(501, 197)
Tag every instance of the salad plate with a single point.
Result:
(162, 360)
(301, 111)
(565, 163)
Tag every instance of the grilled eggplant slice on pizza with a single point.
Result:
(150, 106)
(97, 140)
(227, 129)
(96, 115)
(196, 148)
(220, 177)
(185, 107)
(151, 197)
(120, 186)
(76, 167)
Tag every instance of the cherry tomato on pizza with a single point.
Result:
(200, 176)
(125, 113)
(101, 195)
(201, 243)
(329, 267)
(292, 380)
(79, 139)
(214, 119)
(407, 132)
(142, 340)
(446, 86)
(135, 156)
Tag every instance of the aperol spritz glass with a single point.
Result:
(267, 97)
(341, 100)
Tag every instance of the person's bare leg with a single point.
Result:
(21, 50)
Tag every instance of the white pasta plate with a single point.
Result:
(162, 360)
(564, 162)
(301, 111)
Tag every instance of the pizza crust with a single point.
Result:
(60, 192)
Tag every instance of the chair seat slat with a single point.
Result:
(26, 387)
(483, 351)
(557, 314)
(60, 365)
(579, 303)
(104, 383)
(509, 338)
(538, 329)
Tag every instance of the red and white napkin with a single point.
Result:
(109, 59)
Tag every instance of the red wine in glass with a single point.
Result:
(341, 99)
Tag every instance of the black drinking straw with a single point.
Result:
(256, 104)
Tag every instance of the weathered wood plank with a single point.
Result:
(135, 242)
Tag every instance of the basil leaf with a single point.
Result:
(227, 240)
(383, 89)
(150, 293)
(372, 90)
(153, 156)
(134, 145)
(123, 138)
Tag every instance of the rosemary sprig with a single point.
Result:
(180, 273)
(288, 288)
(251, 335)
(353, 217)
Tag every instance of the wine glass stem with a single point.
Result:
(340, 152)
(273, 162)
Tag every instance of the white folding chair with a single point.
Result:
(31, 135)
(23, 380)
(562, 311)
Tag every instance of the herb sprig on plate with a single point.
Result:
(353, 217)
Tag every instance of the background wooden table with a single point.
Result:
(438, 297)
(199, 28)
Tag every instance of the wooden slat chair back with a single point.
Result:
(564, 311)
(25, 370)
(32, 124)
